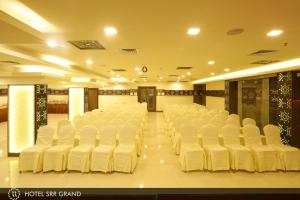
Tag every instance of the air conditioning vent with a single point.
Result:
(143, 77)
(179, 68)
(262, 52)
(172, 81)
(183, 81)
(119, 70)
(235, 31)
(264, 62)
(173, 75)
(87, 44)
(10, 62)
(129, 51)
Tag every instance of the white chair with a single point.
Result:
(125, 154)
(102, 156)
(265, 157)
(234, 116)
(217, 156)
(240, 156)
(62, 123)
(80, 121)
(56, 157)
(233, 121)
(289, 157)
(79, 157)
(192, 156)
(31, 159)
(247, 121)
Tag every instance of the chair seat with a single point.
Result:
(59, 148)
(83, 148)
(104, 148)
(35, 148)
(285, 148)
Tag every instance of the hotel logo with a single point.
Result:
(14, 194)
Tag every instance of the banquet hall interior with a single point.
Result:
(150, 94)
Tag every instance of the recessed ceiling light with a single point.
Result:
(161, 161)
(52, 43)
(139, 73)
(188, 73)
(226, 69)
(274, 33)
(213, 73)
(160, 77)
(211, 62)
(110, 31)
(112, 73)
(89, 62)
(193, 31)
(182, 76)
(137, 69)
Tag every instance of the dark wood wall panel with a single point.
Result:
(199, 95)
(92, 98)
(231, 96)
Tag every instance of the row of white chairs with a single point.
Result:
(95, 146)
(212, 155)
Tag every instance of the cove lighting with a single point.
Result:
(80, 80)
(57, 60)
(41, 69)
(276, 67)
(193, 31)
(21, 117)
(274, 33)
(27, 16)
(119, 79)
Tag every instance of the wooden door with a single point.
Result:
(92, 99)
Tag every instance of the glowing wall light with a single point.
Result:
(76, 102)
(21, 118)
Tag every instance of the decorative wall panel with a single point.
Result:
(284, 104)
(215, 93)
(227, 95)
(273, 100)
(57, 92)
(40, 106)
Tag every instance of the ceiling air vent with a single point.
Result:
(119, 70)
(10, 62)
(172, 81)
(87, 44)
(264, 62)
(183, 81)
(129, 51)
(183, 68)
(173, 75)
(262, 52)
(143, 77)
(235, 31)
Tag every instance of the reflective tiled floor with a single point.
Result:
(157, 167)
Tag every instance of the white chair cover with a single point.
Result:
(31, 159)
(217, 157)
(79, 157)
(265, 157)
(125, 154)
(62, 123)
(191, 154)
(247, 121)
(240, 156)
(102, 156)
(289, 157)
(56, 157)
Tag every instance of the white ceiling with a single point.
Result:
(157, 28)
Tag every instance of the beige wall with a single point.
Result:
(215, 102)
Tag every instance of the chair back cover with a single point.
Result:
(233, 121)
(81, 123)
(231, 134)
(62, 123)
(251, 134)
(66, 135)
(108, 135)
(127, 134)
(188, 134)
(88, 135)
(247, 121)
(209, 134)
(45, 135)
(272, 134)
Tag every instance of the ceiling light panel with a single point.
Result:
(274, 33)
(193, 31)
(110, 31)
(87, 44)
